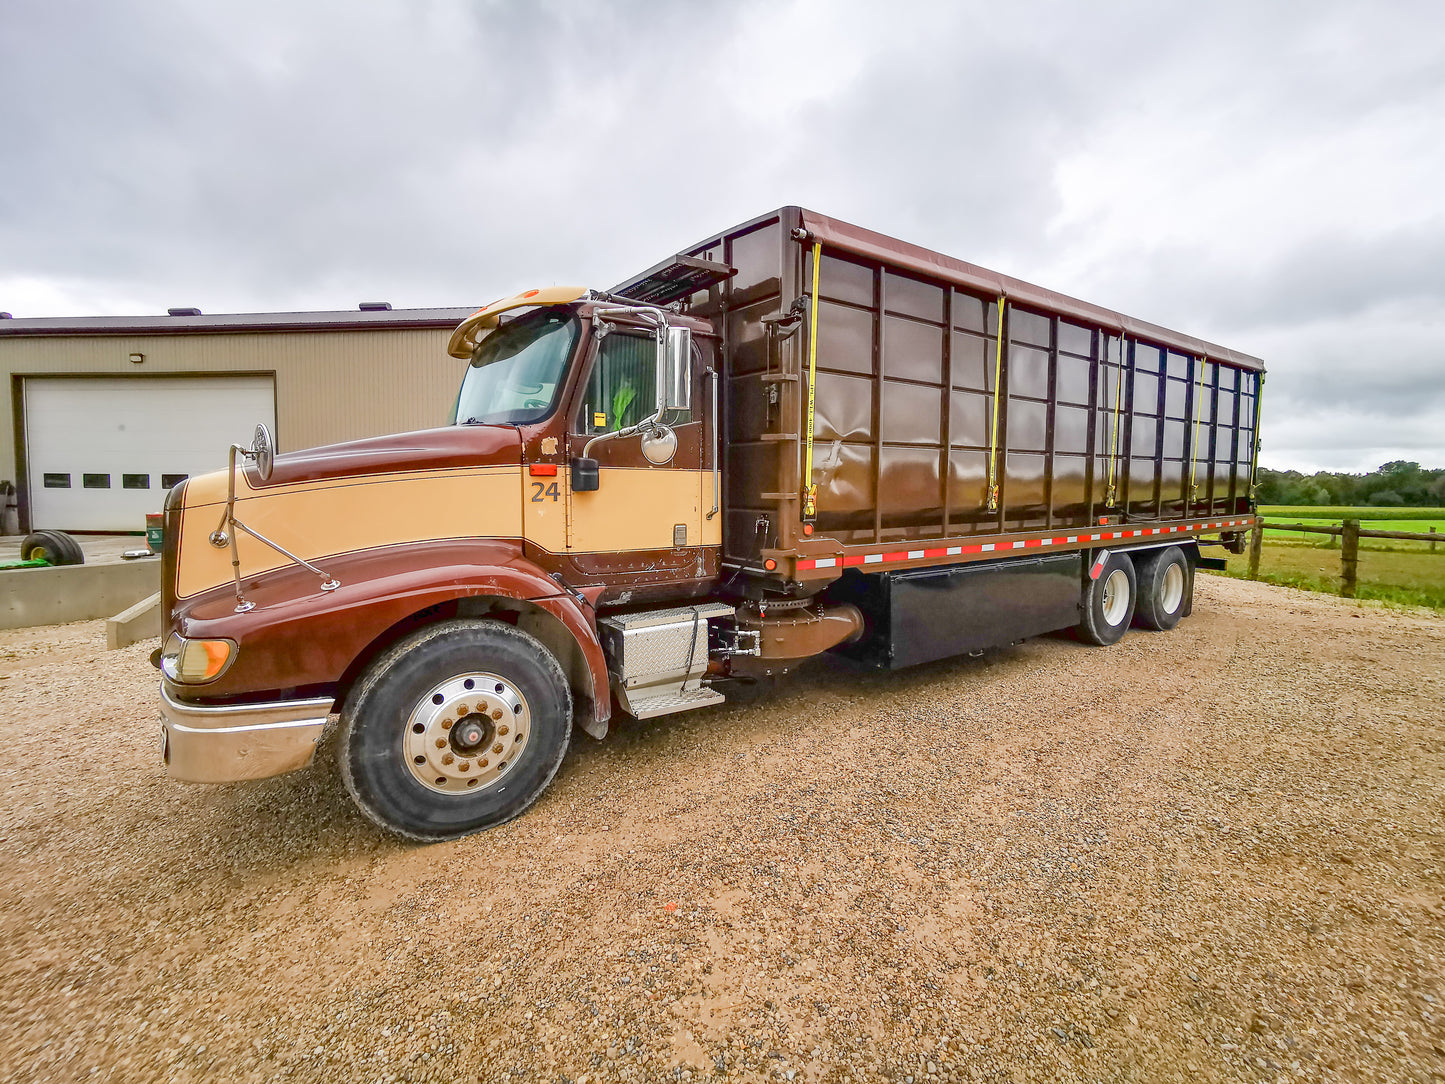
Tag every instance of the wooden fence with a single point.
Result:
(1350, 535)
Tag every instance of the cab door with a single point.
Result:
(645, 522)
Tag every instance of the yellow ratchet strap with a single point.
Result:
(1254, 460)
(993, 423)
(810, 488)
(1110, 493)
(1194, 444)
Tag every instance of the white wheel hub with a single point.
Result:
(464, 735)
(1116, 596)
(1172, 592)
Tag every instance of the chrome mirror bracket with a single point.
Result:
(262, 452)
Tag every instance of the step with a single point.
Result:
(671, 701)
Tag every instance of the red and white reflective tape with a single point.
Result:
(899, 556)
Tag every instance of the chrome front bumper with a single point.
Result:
(224, 743)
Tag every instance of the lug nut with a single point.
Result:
(448, 759)
(446, 724)
(464, 766)
(497, 748)
(502, 729)
(497, 714)
(441, 743)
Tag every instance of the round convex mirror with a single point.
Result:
(263, 451)
(659, 445)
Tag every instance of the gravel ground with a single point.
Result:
(1211, 854)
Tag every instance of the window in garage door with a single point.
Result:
(112, 439)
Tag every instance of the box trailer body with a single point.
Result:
(908, 434)
(795, 436)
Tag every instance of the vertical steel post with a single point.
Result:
(1349, 558)
(1256, 543)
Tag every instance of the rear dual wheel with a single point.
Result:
(1166, 585)
(1109, 602)
(456, 729)
(1150, 588)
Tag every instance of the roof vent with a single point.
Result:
(183, 312)
(375, 306)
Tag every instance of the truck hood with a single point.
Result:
(427, 449)
(461, 482)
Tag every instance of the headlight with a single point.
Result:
(193, 662)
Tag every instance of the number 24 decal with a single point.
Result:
(541, 490)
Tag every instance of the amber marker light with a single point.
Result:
(194, 662)
(770, 564)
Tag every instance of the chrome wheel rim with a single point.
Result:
(1173, 592)
(465, 735)
(1116, 596)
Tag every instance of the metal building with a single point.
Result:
(107, 413)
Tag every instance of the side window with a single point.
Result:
(622, 389)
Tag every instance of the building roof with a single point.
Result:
(344, 320)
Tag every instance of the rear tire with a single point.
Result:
(1166, 585)
(456, 729)
(57, 547)
(1109, 602)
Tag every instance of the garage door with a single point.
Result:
(102, 452)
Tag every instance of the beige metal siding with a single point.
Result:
(330, 385)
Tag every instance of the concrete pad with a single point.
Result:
(51, 596)
(141, 622)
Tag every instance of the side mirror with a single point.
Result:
(263, 451)
(585, 476)
(659, 445)
(674, 377)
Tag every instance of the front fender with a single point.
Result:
(301, 638)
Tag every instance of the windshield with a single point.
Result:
(517, 369)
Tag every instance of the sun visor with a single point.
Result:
(464, 338)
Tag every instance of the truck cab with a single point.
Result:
(580, 474)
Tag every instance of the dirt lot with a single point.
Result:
(1211, 854)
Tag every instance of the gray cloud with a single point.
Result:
(1238, 170)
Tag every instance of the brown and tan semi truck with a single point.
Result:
(798, 436)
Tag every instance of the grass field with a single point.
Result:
(1414, 578)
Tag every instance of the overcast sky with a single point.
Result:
(1267, 176)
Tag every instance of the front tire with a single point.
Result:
(456, 729)
(1109, 602)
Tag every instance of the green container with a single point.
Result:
(155, 532)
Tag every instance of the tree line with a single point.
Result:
(1395, 484)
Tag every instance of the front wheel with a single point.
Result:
(1109, 602)
(456, 729)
